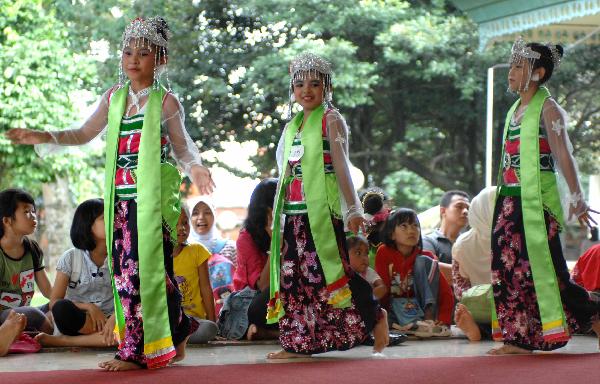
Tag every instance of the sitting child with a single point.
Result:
(190, 264)
(418, 297)
(586, 271)
(376, 206)
(82, 297)
(358, 250)
(21, 261)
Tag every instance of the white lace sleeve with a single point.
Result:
(337, 131)
(184, 150)
(92, 127)
(556, 122)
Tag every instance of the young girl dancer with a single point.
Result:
(321, 304)
(145, 125)
(537, 306)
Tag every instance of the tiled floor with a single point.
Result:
(255, 353)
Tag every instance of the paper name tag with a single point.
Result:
(296, 153)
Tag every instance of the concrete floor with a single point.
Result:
(244, 353)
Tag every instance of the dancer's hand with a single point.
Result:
(108, 332)
(585, 219)
(202, 178)
(97, 317)
(356, 223)
(27, 136)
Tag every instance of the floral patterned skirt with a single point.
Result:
(514, 292)
(125, 269)
(310, 325)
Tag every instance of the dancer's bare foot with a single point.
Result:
(9, 330)
(180, 351)
(508, 349)
(464, 320)
(115, 365)
(251, 332)
(381, 333)
(279, 355)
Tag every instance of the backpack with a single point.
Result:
(76, 267)
(220, 273)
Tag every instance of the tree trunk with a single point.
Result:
(56, 221)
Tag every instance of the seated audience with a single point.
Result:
(419, 299)
(223, 259)
(253, 259)
(358, 251)
(454, 207)
(587, 271)
(190, 265)
(471, 266)
(82, 297)
(21, 261)
(375, 204)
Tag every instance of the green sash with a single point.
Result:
(157, 200)
(539, 190)
(322, 200)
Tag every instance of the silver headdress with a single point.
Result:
(520, 51)
(146, 33)
(308, 65)
(556, 56)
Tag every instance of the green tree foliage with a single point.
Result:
(38, 73)
(408, 78)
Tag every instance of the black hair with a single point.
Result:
(83, 220)
(9, 200)
(447, 197)
(162, 29)
(397, 217)
(372, 200)
(594, 234)
(262, 198)
(355, 240)
(545, 61)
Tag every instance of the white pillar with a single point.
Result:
(489, 127)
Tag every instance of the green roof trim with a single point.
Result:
(504, 17)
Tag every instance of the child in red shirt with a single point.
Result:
(418, 297)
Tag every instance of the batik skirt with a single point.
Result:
(311, 325)
(125, 261)
(514, 292)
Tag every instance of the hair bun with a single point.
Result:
(162, 27)
(560, 50)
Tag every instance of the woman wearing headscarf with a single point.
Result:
(471, 262)
(223, 260)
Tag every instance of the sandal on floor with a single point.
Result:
(418, 328)
(439, 329)
(395, 339)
